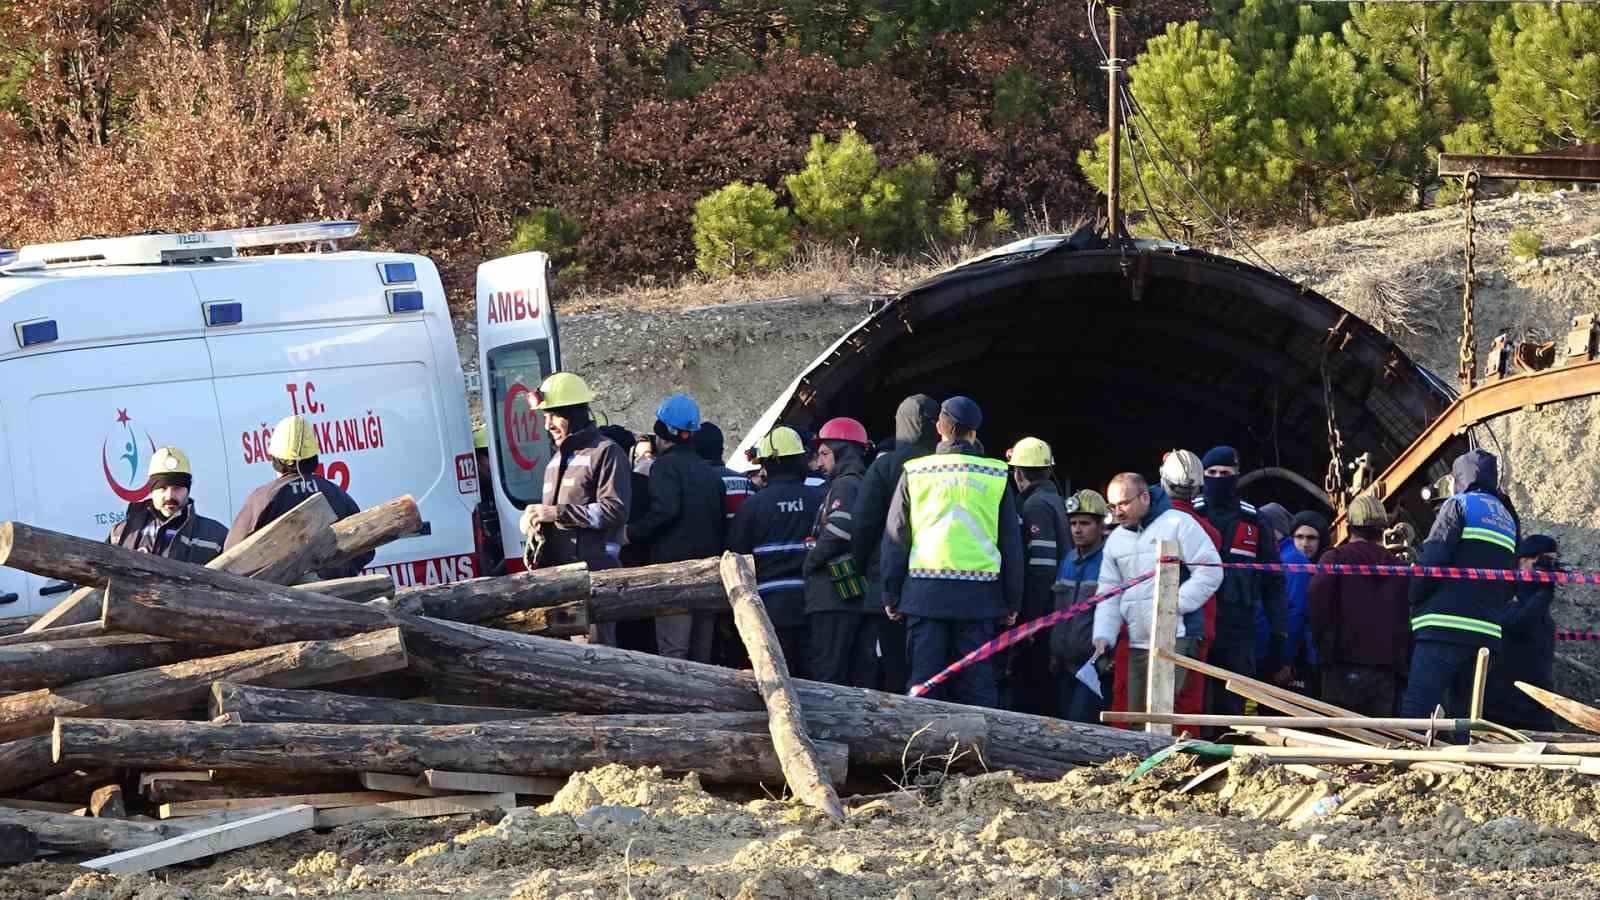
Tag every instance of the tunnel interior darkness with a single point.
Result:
(1114, 357)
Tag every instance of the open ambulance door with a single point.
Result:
(517, 348)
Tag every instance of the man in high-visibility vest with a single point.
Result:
(1451, 619)
(952, 560)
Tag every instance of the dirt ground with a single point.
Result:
(1257, 833)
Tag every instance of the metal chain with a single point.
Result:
(1333, 482)
(1468, 373)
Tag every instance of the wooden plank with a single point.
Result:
(315, 801)
(207, 842)
(1480, 680)
(420, 808)
(802, 767)
(398, 784)
(477, 782)
(1310, 705)
(1161, 676)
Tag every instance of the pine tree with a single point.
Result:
(1548, 62)
(1429, 63)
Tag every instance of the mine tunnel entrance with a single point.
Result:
(1115, 356)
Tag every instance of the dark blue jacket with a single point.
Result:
(774, 526)
(1072, 641)
(1527, 653)
(949, 598)
(1475, 528)
(1299, 649)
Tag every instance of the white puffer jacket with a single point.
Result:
(1130, 554)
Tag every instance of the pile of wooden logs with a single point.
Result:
(165, 710)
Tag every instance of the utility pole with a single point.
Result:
(1114, 127)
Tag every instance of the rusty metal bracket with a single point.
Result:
(1338, 336)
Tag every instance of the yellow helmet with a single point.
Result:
(1032, 453)
(780, 441)
(169, 461)
(562, 389)
(293, 439)
(480, 436)
(1087, 503)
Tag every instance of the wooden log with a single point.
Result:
(61, 633)
(663, 589)
(418, 808)
(1161, 675)
(26, 762)
(802, 768)
(467, 660)
(85, 834)
(565, 620)
(281, 552)
(106, 802)
(562, 675)
(50, 663)
(16, 624)
(315, 801)
(478, 782)
(357, 589)
(17, 845)
(370, 529)
(175, 688)
(500, 748)
(70, 785)
(483, 599)
(40, 805)
(238, 619)
(207, 842)
(255, 703)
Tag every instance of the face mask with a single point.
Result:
(1221, 492)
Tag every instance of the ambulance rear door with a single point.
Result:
(329, 339)
(517, 348)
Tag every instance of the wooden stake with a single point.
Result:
(1579, 714)
(1161, 676)
(207, 842)
(1480, 680)
(802, 768)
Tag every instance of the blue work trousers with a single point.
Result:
(933, 644)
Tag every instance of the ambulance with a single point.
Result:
(116, 346)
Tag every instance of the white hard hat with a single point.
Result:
(1182, 469)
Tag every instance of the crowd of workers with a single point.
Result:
(881, 564)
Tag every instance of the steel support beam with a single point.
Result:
(1522, 167)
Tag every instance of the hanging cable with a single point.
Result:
(1139, 174)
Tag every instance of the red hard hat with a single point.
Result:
(844, 429)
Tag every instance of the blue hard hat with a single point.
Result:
(679, 413)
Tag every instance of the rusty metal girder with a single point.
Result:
(1492, 399)
(1522, 167)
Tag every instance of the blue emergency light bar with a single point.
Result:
(405, 301)
(7, 257)
(224, 312)
(36, 331)
(398, 272)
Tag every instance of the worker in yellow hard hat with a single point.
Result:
(1072, 641)
(588, 489)
(1045, 538)
(164, 522)
(293, 449)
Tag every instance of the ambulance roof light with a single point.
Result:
(7, 257)
(151, 249)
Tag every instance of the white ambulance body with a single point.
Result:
(114, 347)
